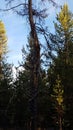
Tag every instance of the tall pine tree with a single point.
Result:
(63, 63)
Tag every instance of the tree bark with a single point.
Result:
(60, 123)
(36, 67)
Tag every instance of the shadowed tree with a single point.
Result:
(58, 99)
(35, 15)
(63, 63)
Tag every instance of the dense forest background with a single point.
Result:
(40, 96)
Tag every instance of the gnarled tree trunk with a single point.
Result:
(36, 67)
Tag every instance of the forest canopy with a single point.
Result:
(40, 97)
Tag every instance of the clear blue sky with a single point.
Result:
(17, 30)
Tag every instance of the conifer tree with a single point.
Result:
(58, 99)
(29, 8)
(5, 77)
(64, 32)
(63, 63)
(3, 44)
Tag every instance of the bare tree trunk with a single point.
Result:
(36, 67)
(60, 123)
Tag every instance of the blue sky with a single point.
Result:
(17, 30)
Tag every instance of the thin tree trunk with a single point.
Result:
(36, 67)
(60, 123)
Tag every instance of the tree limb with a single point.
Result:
(14, 7)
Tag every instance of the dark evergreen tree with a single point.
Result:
(28, 8)
(5, 92)
(63, 63)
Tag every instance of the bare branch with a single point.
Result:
(52, 1)
(14, 7)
